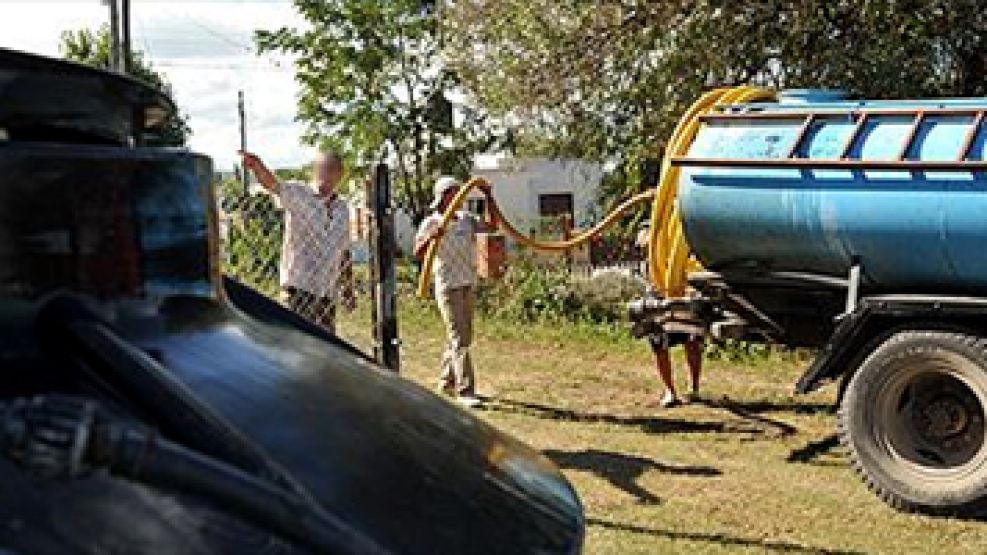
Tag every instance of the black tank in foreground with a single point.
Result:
(149, 406)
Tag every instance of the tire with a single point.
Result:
(913, 420)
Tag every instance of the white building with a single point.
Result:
(530, 190)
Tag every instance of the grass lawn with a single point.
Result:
(753, 469)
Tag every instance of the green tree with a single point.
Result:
(93, 48)
(373, 76)
(607, 80)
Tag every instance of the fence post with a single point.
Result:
(383, 250)
(567, 226)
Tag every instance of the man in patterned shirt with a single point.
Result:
(455, 280)
(315, 255)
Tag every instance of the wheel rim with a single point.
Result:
(930, 419)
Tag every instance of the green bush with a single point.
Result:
(604, 298)
(731, 350)
(529, 293)
(737, 351)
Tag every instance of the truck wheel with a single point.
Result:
(913, 419)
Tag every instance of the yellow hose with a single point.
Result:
(658, 246)
(573, 242)
(668, 252)
(424, 279)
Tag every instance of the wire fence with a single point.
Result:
(253, 239)
(254, 250)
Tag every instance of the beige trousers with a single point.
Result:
(456, 306)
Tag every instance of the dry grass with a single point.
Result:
(752, 470)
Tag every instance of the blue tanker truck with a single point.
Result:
(857, 228)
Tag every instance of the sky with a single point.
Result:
(204, 48)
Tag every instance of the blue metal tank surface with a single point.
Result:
(921, 227)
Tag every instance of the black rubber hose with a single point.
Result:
(67, 437)
(69, 327)
(134, 455)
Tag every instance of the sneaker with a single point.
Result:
(469, 401)
(669, 400)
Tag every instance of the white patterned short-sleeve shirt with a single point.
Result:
(316, 239)
(455, 262)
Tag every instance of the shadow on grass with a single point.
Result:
(722, 539)
(794, 407)
(813, 450)
(622, 471)
(750, 412)
(647, 424)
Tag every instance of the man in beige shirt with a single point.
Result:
(315, 255)
(455, 282)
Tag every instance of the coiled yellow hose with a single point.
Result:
(668, 252)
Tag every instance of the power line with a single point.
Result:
(215, 66)
(220, 36)
(239, 47)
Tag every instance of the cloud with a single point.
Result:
(205, 50)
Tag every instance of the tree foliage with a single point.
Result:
(607, 80)
(93, 49)
(372, 76)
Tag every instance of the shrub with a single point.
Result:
(603, 298)
(530, 293)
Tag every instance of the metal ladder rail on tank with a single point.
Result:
(793, 160)
(860, 118)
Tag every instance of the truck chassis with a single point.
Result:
(911, 371)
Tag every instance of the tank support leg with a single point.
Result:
(853, 288)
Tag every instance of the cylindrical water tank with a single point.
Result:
(814, 182)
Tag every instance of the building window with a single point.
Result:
(476, 206)
(555, 204)
(552, 210)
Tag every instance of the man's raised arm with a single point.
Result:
(253, 163)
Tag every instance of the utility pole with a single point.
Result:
(115, 62)
(125, 43)
(119, 35)
(244, 183)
